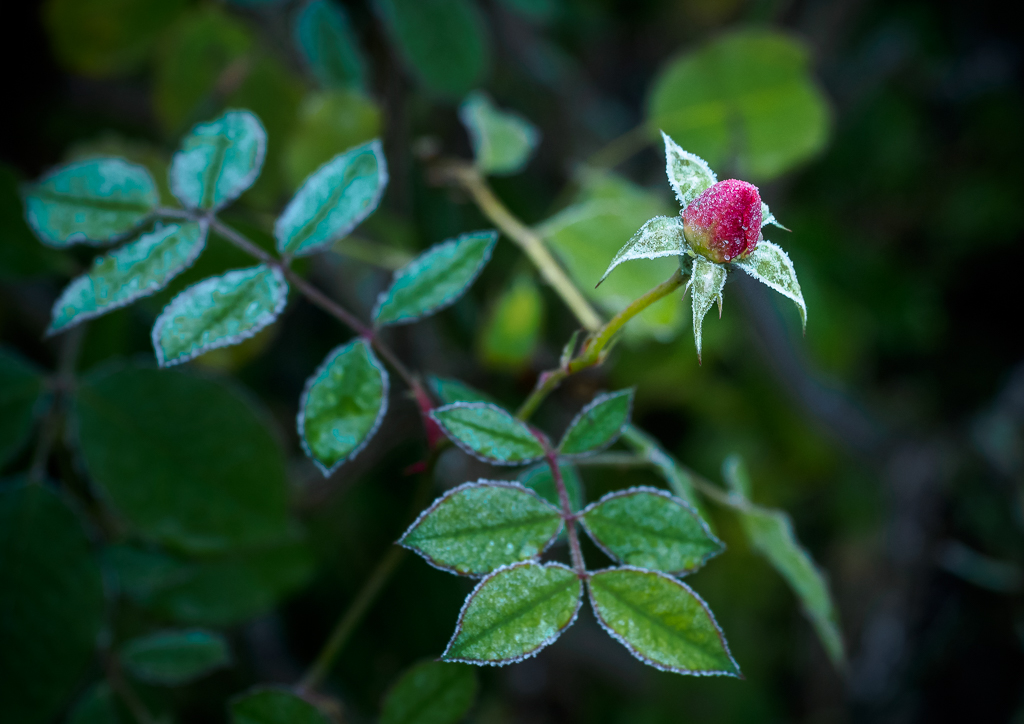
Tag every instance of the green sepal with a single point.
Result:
(767, 217)
(333, 200)
(218, 160)
(599, 424)
(92, 202)
(661, 236)
(342, 405)
(478, 527)
(435, 279)
(688, 174)
(706, 283)
(771, 266)
(137, 269)
(218, 312)
(325, 40)
(488, 433)
(661, 621)
(648, 528)
(274, 705)
(430, 692)
(502, 141)
(172, 658)
(515, 612)
(22, 390)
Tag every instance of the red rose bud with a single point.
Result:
(724, 223)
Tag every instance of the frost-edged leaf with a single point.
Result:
(51, 604)
(508, 338)
(328, 122)
(515, 612)
(137, 269)
(430, 692)
(488, 432)
(185, 461)
(706, 283)
(324, 38)
(93, 202)
(218, 160)
(478, 527)
(661, 621)
(661, 236)
(767, 217)
(333, 200)
(771, 266)
(172, 658)
(218, 312)
(648, 528)
(540, 480)
(688, 175)
(599, 424)
(503, 141)
(449, 390)
(343, 404)
(21, 392)
(770, 533)
(442, 41)
(435, 279)
(271, 705)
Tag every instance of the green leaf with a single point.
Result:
(97, 706)
(325, 40)
(218, 312)
(489, 433)
(91, 202)
(746, 98)
(329, 122)
(707, 281)
(503, 141)
(137, 269)
(771, 266)
(449, 390)
(515, 612)
(218, 590)
(478, 527)
(661, 236)
(172, 658)
(333, 201)
(599, 424)
(770, 533)
(435, 279)
(442, 41)
(677, 477)
(509, 337)
(688, 175)
(218, 160)
(661, 621)
(342, 406)
(267, 705)
(51, 604)
(648, 528)
(21, 394)
(431, 692)
(186, 461)
(21, 254)
(540, 480)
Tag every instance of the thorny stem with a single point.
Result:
(567, 515)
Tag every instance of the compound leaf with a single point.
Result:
(137, 269)
(661, 621)
(325, 40)
(333, 200)
(599, 424)
(430, 692)
(771, 266)
(489, 433)
(661, 236)
(648, 528)
(171, 658)
(502, 141)
(435, 279)
(218, 312)
(21, 392)
(92, 202)
(688, 175)
(706, 283)
(515, 612)
(478, 527)
(269, 705)
(218, 160)
(342, 406)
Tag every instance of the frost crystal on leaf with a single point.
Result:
(771, 266)
(661, 236)
(689, 175)
(767, 217)
(706, 284)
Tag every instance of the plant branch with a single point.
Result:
(568, 516)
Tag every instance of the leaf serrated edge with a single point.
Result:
(599, 399)
(738, 674)
(751, 272)
(300, 417)
(224, 341)
(581, 516)
(470, 451)
(84, 316)
(620, 258)
(670, 144)
(515, 659)
(415, 266)
(481, 483)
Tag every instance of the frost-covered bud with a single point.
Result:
(724, 223)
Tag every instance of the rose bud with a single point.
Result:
(724, 223)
